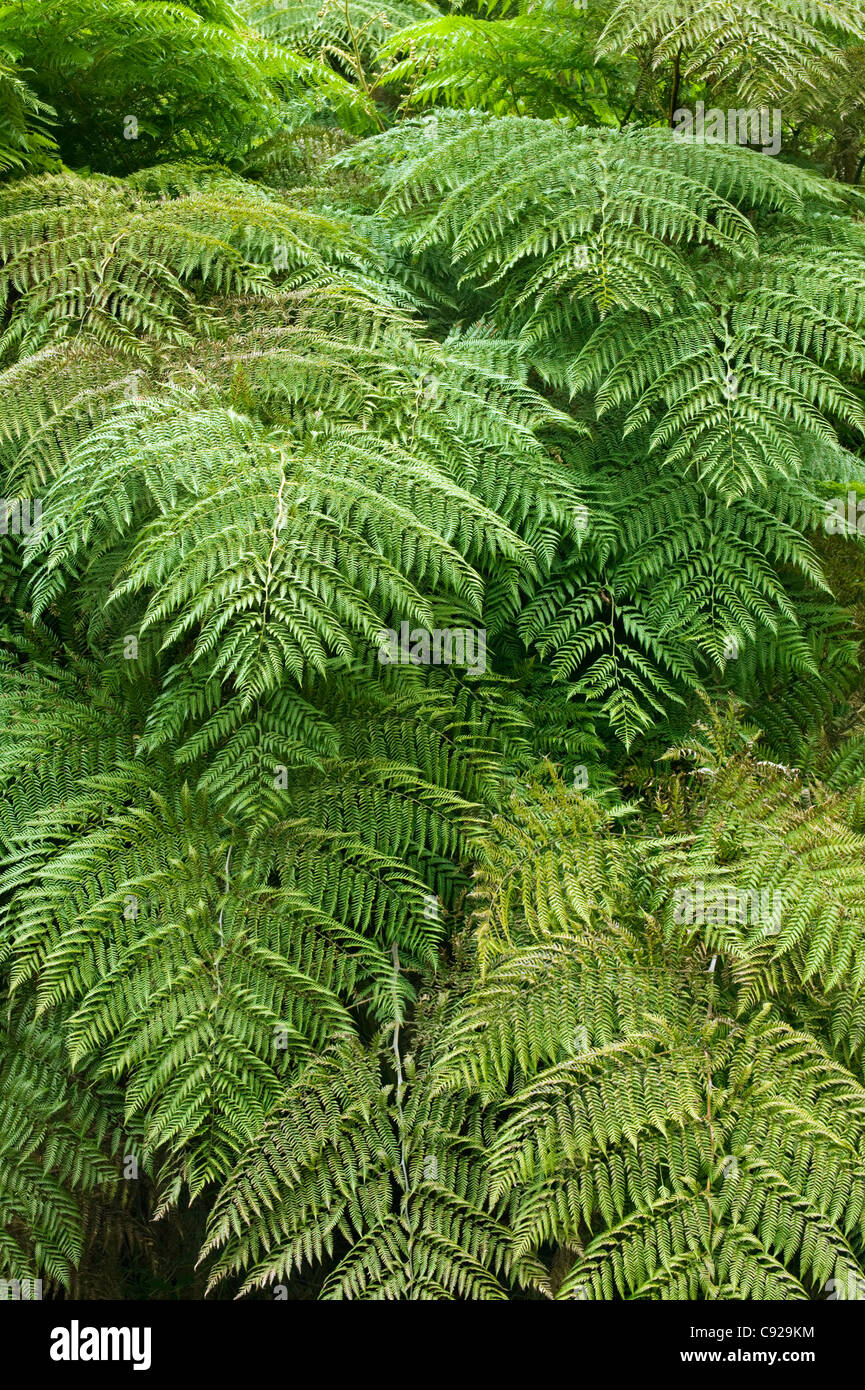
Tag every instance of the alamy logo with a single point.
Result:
(735, 126)
(849, 1290)
(439, 646)
(76, 1343)
(17, 518)
(20, 1290)
(698, 905)
(845, 518)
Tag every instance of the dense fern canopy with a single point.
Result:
(432, 740)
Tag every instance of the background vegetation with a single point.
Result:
(328, 977)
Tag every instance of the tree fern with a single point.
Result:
(769, 49)
(676, 1139)
(390, 1185)
(57, 1135)
(431, 712)
(117, 260)
(134, 77)
(603, 230)
(25, 136)
(501, 65)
